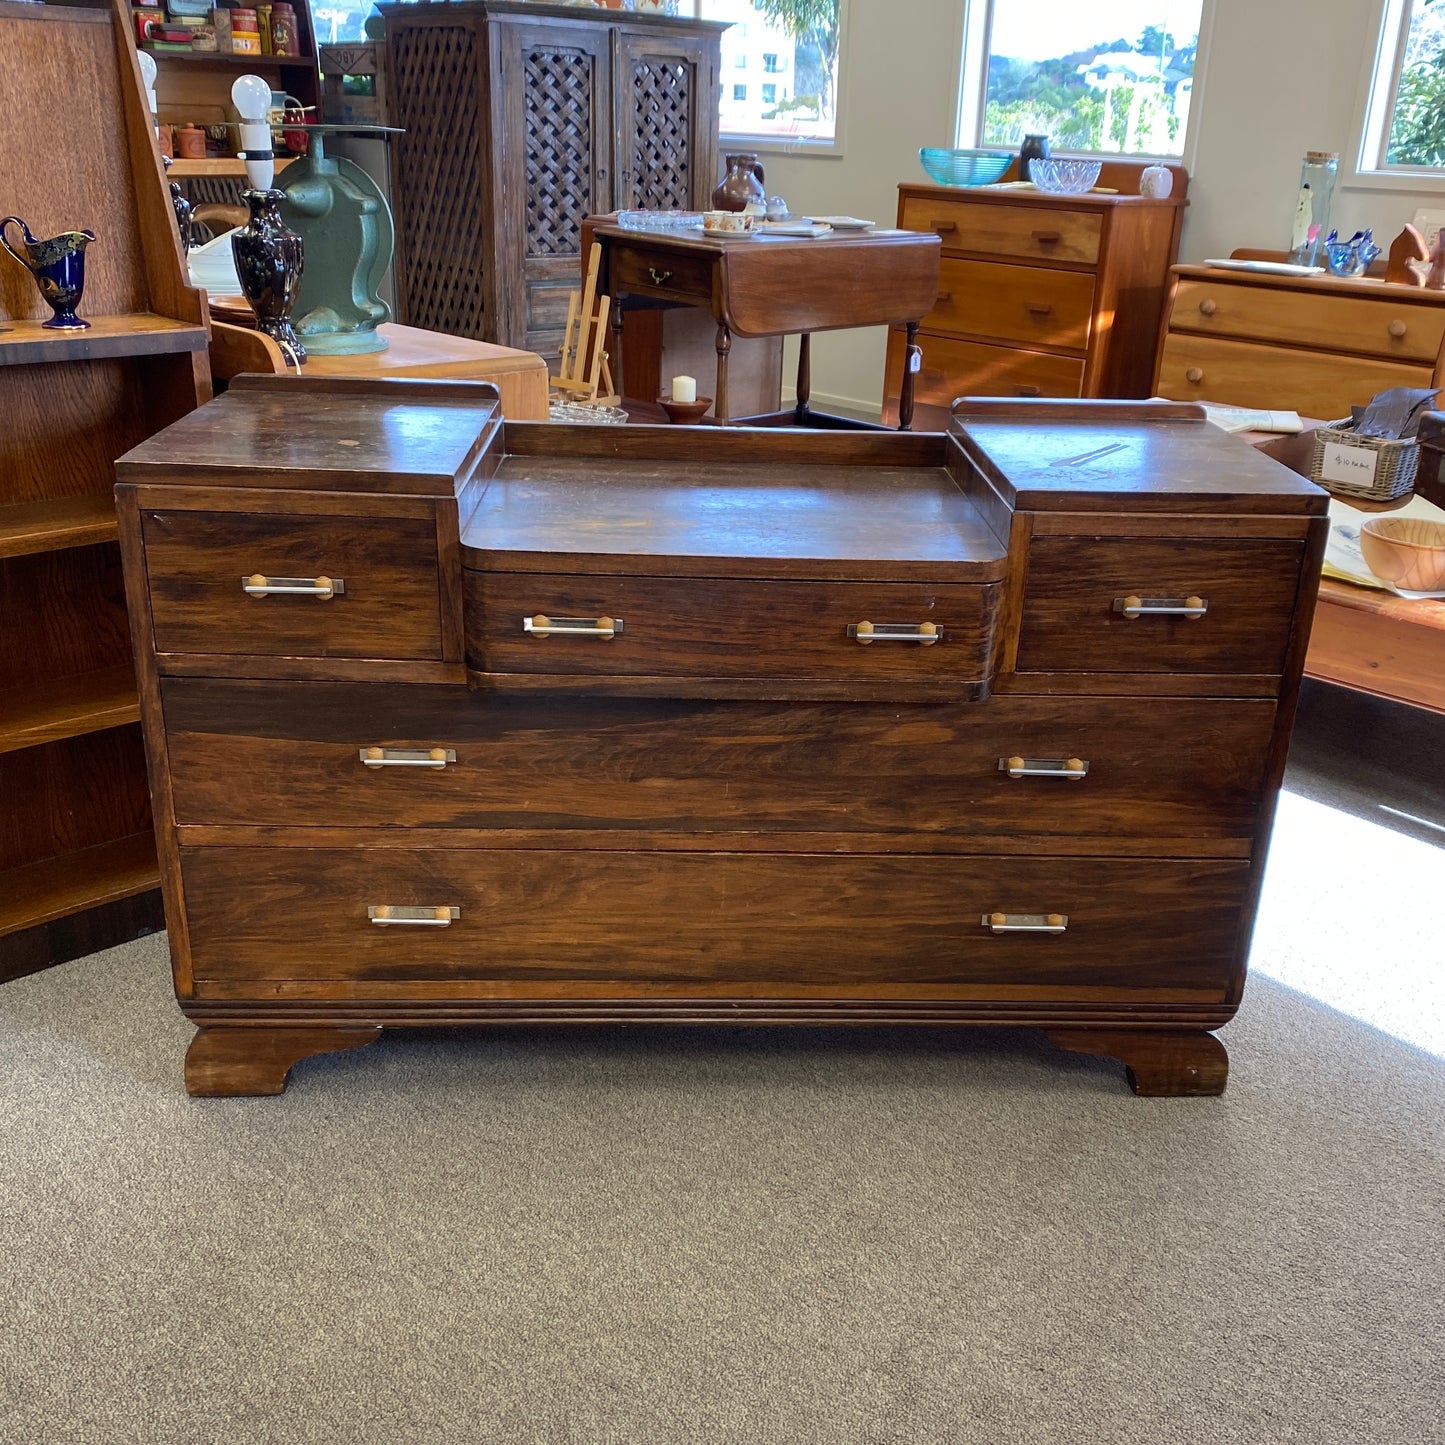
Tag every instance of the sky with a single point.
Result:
(1044, 29)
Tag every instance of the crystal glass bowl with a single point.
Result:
(1065, 177)
(964, 167)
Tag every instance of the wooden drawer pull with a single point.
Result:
(1037, 310)
(923, 633)
(943, 226)
(1047, 238)
(1191, 607)
(397, 915)
(1194, 374)
(1397, 329)
(1071, 769)
(1207, 307)
(407, 757)
(943, 298)
(543, 626)
(323, 587)
(1026, 390)
(1026, 922)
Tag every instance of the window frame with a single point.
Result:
(1375, 110)
(973, 86)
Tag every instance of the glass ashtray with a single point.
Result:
(659, 220)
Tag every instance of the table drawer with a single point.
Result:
(1040, 233)
(725, 628)
(384, 597)
(1077, 618)
(968, 368)
(659, 272)
(1389, 329)
(245, 753)
(1030, 304)
(1246, 373)
(530, 922)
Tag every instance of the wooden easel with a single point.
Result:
(583, 368)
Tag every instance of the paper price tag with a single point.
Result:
(1348, 464)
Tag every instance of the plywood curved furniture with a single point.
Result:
(454, 721)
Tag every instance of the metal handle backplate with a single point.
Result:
(541, 625)
(404, 915)
(323, 587)
(923, 633)
(1071, 769)
(407, 757)
(1026, 922)
(1192, 607)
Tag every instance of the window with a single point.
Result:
(1405, 119)
(1117, 76)
(780, 37)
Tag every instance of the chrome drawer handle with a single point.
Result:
(1191, 607)
(399, 915)
(923, 633)
(407, 757)
(258, 586)
(1025, 922)
(1070, 768)
(543, 626)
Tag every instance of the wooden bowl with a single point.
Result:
(1408, 552)
(684, 413)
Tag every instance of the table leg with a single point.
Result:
(616, 324)
(805, 380)
(724, 345)
(911, 359)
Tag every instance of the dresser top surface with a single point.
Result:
(1363, 288)
(746, 518)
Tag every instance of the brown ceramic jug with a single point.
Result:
(743, 184)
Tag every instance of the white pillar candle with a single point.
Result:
(684, 388)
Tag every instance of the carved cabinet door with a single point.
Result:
(666, 120)
(554, 164)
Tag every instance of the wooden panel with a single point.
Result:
(658, 272)
(1243, 373)
(32, 527)
(1069, 624)
(1028, 231)
(1032, 305)
(197, 562)
(43, 892)
(1328, 322)
(696, 627)
(1391, 646)
(255, 753)
(539, 921)
(967, 368)
(66, 707)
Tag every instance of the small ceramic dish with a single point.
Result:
(1406, 552)
(685, 413)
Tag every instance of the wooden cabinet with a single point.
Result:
(77, 856)
(521, 119)
(1315, 345)
(725, 725)
(1040, 295)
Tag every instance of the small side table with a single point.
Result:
(758, 285)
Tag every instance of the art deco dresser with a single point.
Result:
(457, 721)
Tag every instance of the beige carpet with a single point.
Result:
(719, 1236)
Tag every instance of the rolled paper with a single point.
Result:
(684, 388)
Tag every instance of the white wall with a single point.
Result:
(1280, 77)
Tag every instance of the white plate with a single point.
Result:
(1270, 268)
(844, 223)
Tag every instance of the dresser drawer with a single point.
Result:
(1030, 304)
(1038, 233)
(668, 273)
(726, 628)
(1246, 373)
(968, 368)
(392, 756)
(1093, 604)
(1389, 329)
(562, 922)
(372, 584)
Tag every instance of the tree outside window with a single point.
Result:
(1417, 122)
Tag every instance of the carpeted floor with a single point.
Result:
(730, 1236)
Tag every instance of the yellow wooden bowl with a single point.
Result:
(1408, 552)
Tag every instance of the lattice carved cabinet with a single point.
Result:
(520, 120)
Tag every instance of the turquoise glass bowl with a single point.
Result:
(964, 167)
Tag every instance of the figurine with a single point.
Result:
(1435, 280)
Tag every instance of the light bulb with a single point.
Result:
(251, 95)
(148, 78)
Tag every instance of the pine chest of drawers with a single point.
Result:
(451, 720)
(1039, 295)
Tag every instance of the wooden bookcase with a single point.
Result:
(77, 856)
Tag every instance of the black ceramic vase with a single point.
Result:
(269, 261)
(1034, 148)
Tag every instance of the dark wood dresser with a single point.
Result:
(456, 721)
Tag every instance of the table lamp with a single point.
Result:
(180, 203)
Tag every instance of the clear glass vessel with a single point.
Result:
(1312, 206)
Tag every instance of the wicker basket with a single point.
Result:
(1379, 469)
